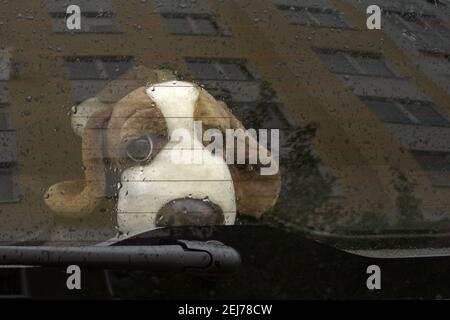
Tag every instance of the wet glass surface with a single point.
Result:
(351, 124)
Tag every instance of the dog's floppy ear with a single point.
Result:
(78, 198)
(114, 91)
(255, 193)
(84, 111)
(90, 119)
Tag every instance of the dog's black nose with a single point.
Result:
(190, 212)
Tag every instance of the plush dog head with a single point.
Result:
(135, 137)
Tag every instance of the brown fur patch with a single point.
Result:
(132, 116)
(79, 198)
(135, 115)
(255, 193)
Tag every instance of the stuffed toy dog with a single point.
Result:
(159, 184)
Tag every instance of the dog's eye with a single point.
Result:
(140, 149)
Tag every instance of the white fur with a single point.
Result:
(146, 189)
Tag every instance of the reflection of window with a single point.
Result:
(8, 191)
(313, 16)
(436, 164)
(4, 96)
(254, 115)
(8, 188)
(85, 68)
(232, 81)
(98, 22)
(8, 152)
(424, 113)
(400, 111)
(201, 24)
(355, 63)
(430, 33)
(90, 74)
(415, 21)
(5, 120)
(5, 65)
(220, 70)
(96, 16)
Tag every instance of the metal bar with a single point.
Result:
(209, 257)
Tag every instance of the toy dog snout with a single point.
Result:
(190, 212)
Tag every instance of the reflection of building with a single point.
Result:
(8, 188)
(420, 30)
(380, 99)
(89, 75)
(97, 17)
